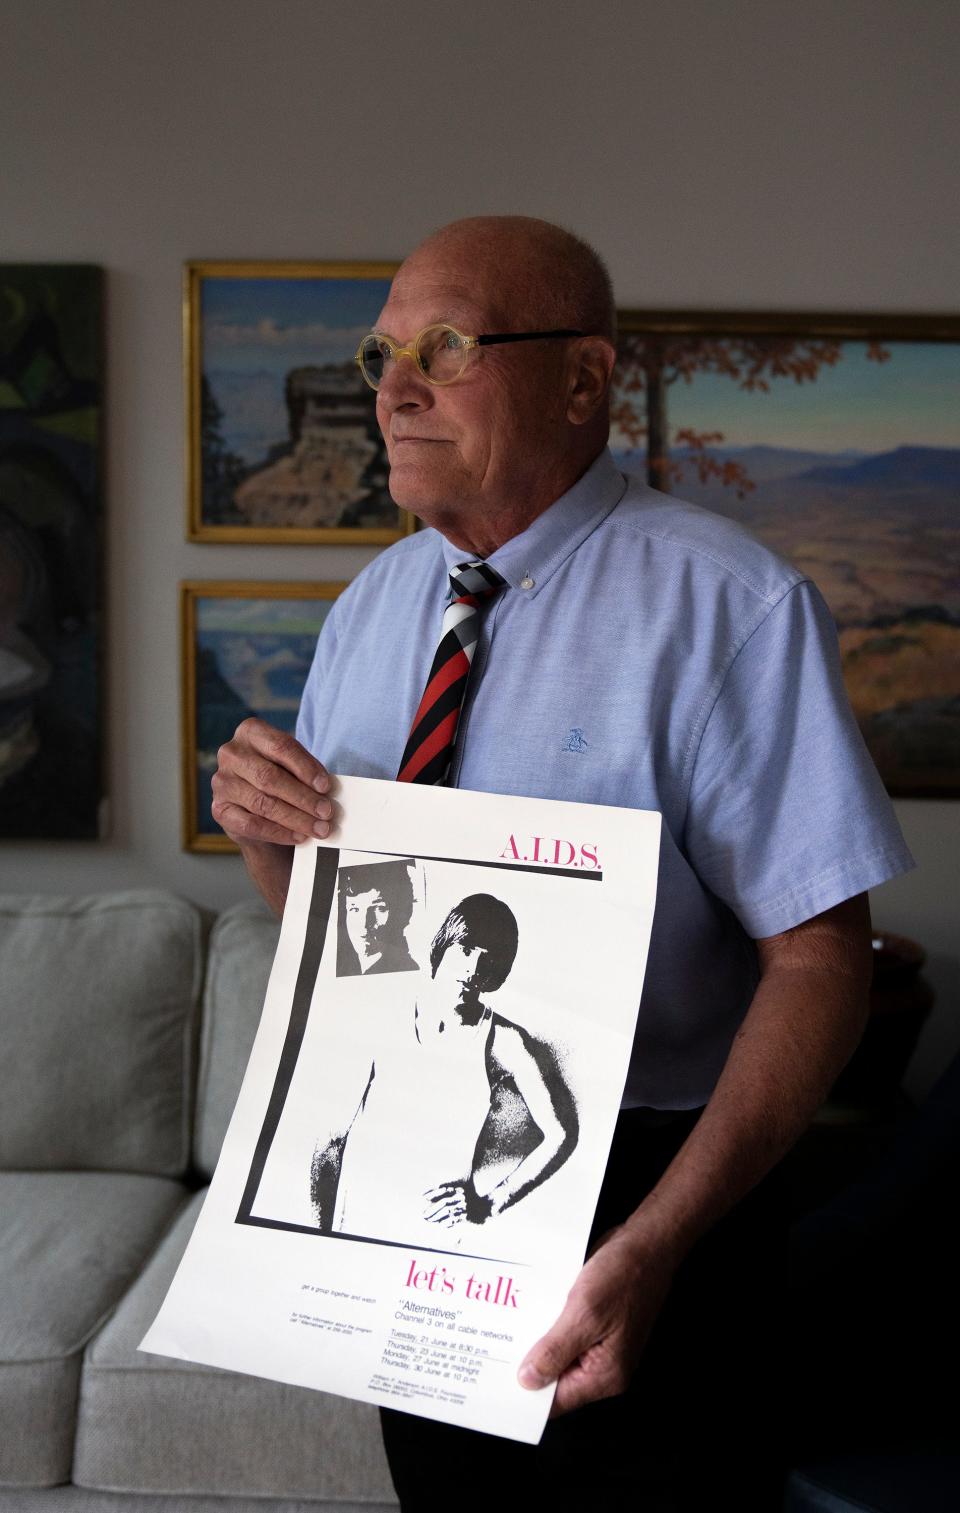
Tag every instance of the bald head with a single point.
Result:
(535, 273)
(481, 455)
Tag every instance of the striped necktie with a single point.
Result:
(429, 748)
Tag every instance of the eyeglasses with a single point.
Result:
(440, 352)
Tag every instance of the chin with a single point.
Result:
(444, 507)
(417, 488)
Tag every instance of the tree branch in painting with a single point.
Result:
(649, 365)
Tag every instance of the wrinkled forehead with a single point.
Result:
(405, 316)
(452, 291)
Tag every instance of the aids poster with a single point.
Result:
(407, 1185)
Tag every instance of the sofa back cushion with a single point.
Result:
(98, 1006)
(242, 946)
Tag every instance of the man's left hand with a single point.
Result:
(593, 1348)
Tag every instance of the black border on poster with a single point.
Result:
(326, 863)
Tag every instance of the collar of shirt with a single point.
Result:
(528, 561)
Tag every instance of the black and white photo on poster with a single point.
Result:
(374, 911)
(452, 1109)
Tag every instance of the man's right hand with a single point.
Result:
(267, 787)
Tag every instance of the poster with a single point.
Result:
(407, 1185)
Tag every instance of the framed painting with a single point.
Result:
(836, 440)
(283, 443)
(51, 507)
(246, 649)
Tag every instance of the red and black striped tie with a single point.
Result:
(429, 748)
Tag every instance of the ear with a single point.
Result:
(592, 363)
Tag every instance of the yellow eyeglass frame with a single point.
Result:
(468, 343)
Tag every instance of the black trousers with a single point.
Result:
(698, 1430)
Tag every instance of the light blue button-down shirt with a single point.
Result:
(650, 654)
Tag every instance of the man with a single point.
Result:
(375, 904)
(466, 1085)
(647, 654)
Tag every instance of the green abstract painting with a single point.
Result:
(50, 526)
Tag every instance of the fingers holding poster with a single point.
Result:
(428, 1107)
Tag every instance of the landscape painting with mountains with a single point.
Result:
(844, 457)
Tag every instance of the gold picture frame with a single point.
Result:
(835, 438)
(238, 659)
(282, 441)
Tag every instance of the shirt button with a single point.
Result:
(528, 582)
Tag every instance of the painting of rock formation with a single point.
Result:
(285, 442)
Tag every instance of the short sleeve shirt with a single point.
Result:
(649, 654)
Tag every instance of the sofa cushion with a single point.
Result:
(881, 1476)
(149, 1423)
(242, 945)
(70, 1243)
(98, 1001)
(80, 1500)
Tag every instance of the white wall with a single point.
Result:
(720, 154)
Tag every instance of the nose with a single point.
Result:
(403, 385)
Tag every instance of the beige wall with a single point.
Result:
(721, 154)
